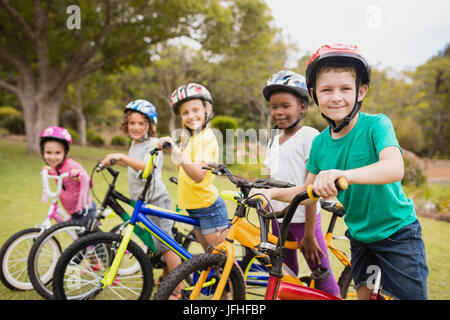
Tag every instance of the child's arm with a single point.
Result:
(388, 169)
(193, 170)
(124, 161)
(309, 243)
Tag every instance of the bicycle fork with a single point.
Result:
(110, 274)
(228, 248)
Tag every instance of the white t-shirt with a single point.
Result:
(288, 163)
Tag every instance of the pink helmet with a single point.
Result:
(57, 133)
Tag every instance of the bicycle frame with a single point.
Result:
(139, 217)
(247, 235)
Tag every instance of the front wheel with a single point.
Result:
(13, 259)
(80, 269)
(45, 252)
(178, 282)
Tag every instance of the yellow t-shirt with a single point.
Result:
(202, 147)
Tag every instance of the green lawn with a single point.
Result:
(21, 207)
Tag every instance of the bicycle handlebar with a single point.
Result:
(221, 169)
(257, 203)
(46, 185)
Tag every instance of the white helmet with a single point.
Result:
(286, 80)
(188, 92)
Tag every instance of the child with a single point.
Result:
(288, 97)
(196, 192)
(382, 224)
(74, 196)
(139, 123)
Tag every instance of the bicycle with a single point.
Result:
(49, 246)
(216, 265)
(257, 267)
(74, 277)
(14, 252)
(243, 232)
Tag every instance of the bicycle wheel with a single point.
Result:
(190, 269)
(13, 258)
(256, 275)
(80, 269)
(45, 252)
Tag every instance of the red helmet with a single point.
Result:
(337, 54)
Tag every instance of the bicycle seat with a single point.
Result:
(334, 207)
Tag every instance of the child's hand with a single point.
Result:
(48, 168)
(311, 250)
(324, 183)
(162, 140)
(75, 174)
(107, 161)
(266, 196)
(176, 153)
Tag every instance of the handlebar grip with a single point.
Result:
(279, 183)
(340, 183)
(113, 161)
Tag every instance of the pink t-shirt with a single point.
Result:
(75, 194)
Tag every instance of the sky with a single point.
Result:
(401, 34)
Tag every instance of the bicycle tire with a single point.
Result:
(76, 267)
(45, 252)
(344, 281)
(15, 276)
(235, 285)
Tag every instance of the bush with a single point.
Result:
(12, 120)
(118, 141)
(7, 111)
(15, 124)
(94, 138)
(413, 172)
(224, 122)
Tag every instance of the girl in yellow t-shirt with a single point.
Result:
(196, 192)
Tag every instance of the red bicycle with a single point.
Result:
(277, 289)
(216, 275)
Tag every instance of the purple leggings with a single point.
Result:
(296, 233)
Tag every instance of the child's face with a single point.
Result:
(336, 92)
(53, 153)
(137, 125)
(285, 109)
(192, 114)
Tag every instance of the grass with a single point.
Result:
(21, 207)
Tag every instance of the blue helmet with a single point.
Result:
(145, 107)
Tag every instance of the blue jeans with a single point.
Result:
(401, 259)
(212, 218)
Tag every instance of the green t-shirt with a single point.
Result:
(374, 212)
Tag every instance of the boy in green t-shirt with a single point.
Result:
(382, 225)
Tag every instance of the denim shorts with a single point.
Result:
(212, 218)
(401, 259)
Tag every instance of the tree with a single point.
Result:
(47, 45)
(433, 81)
(236, 77)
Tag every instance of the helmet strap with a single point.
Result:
(336, 128)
